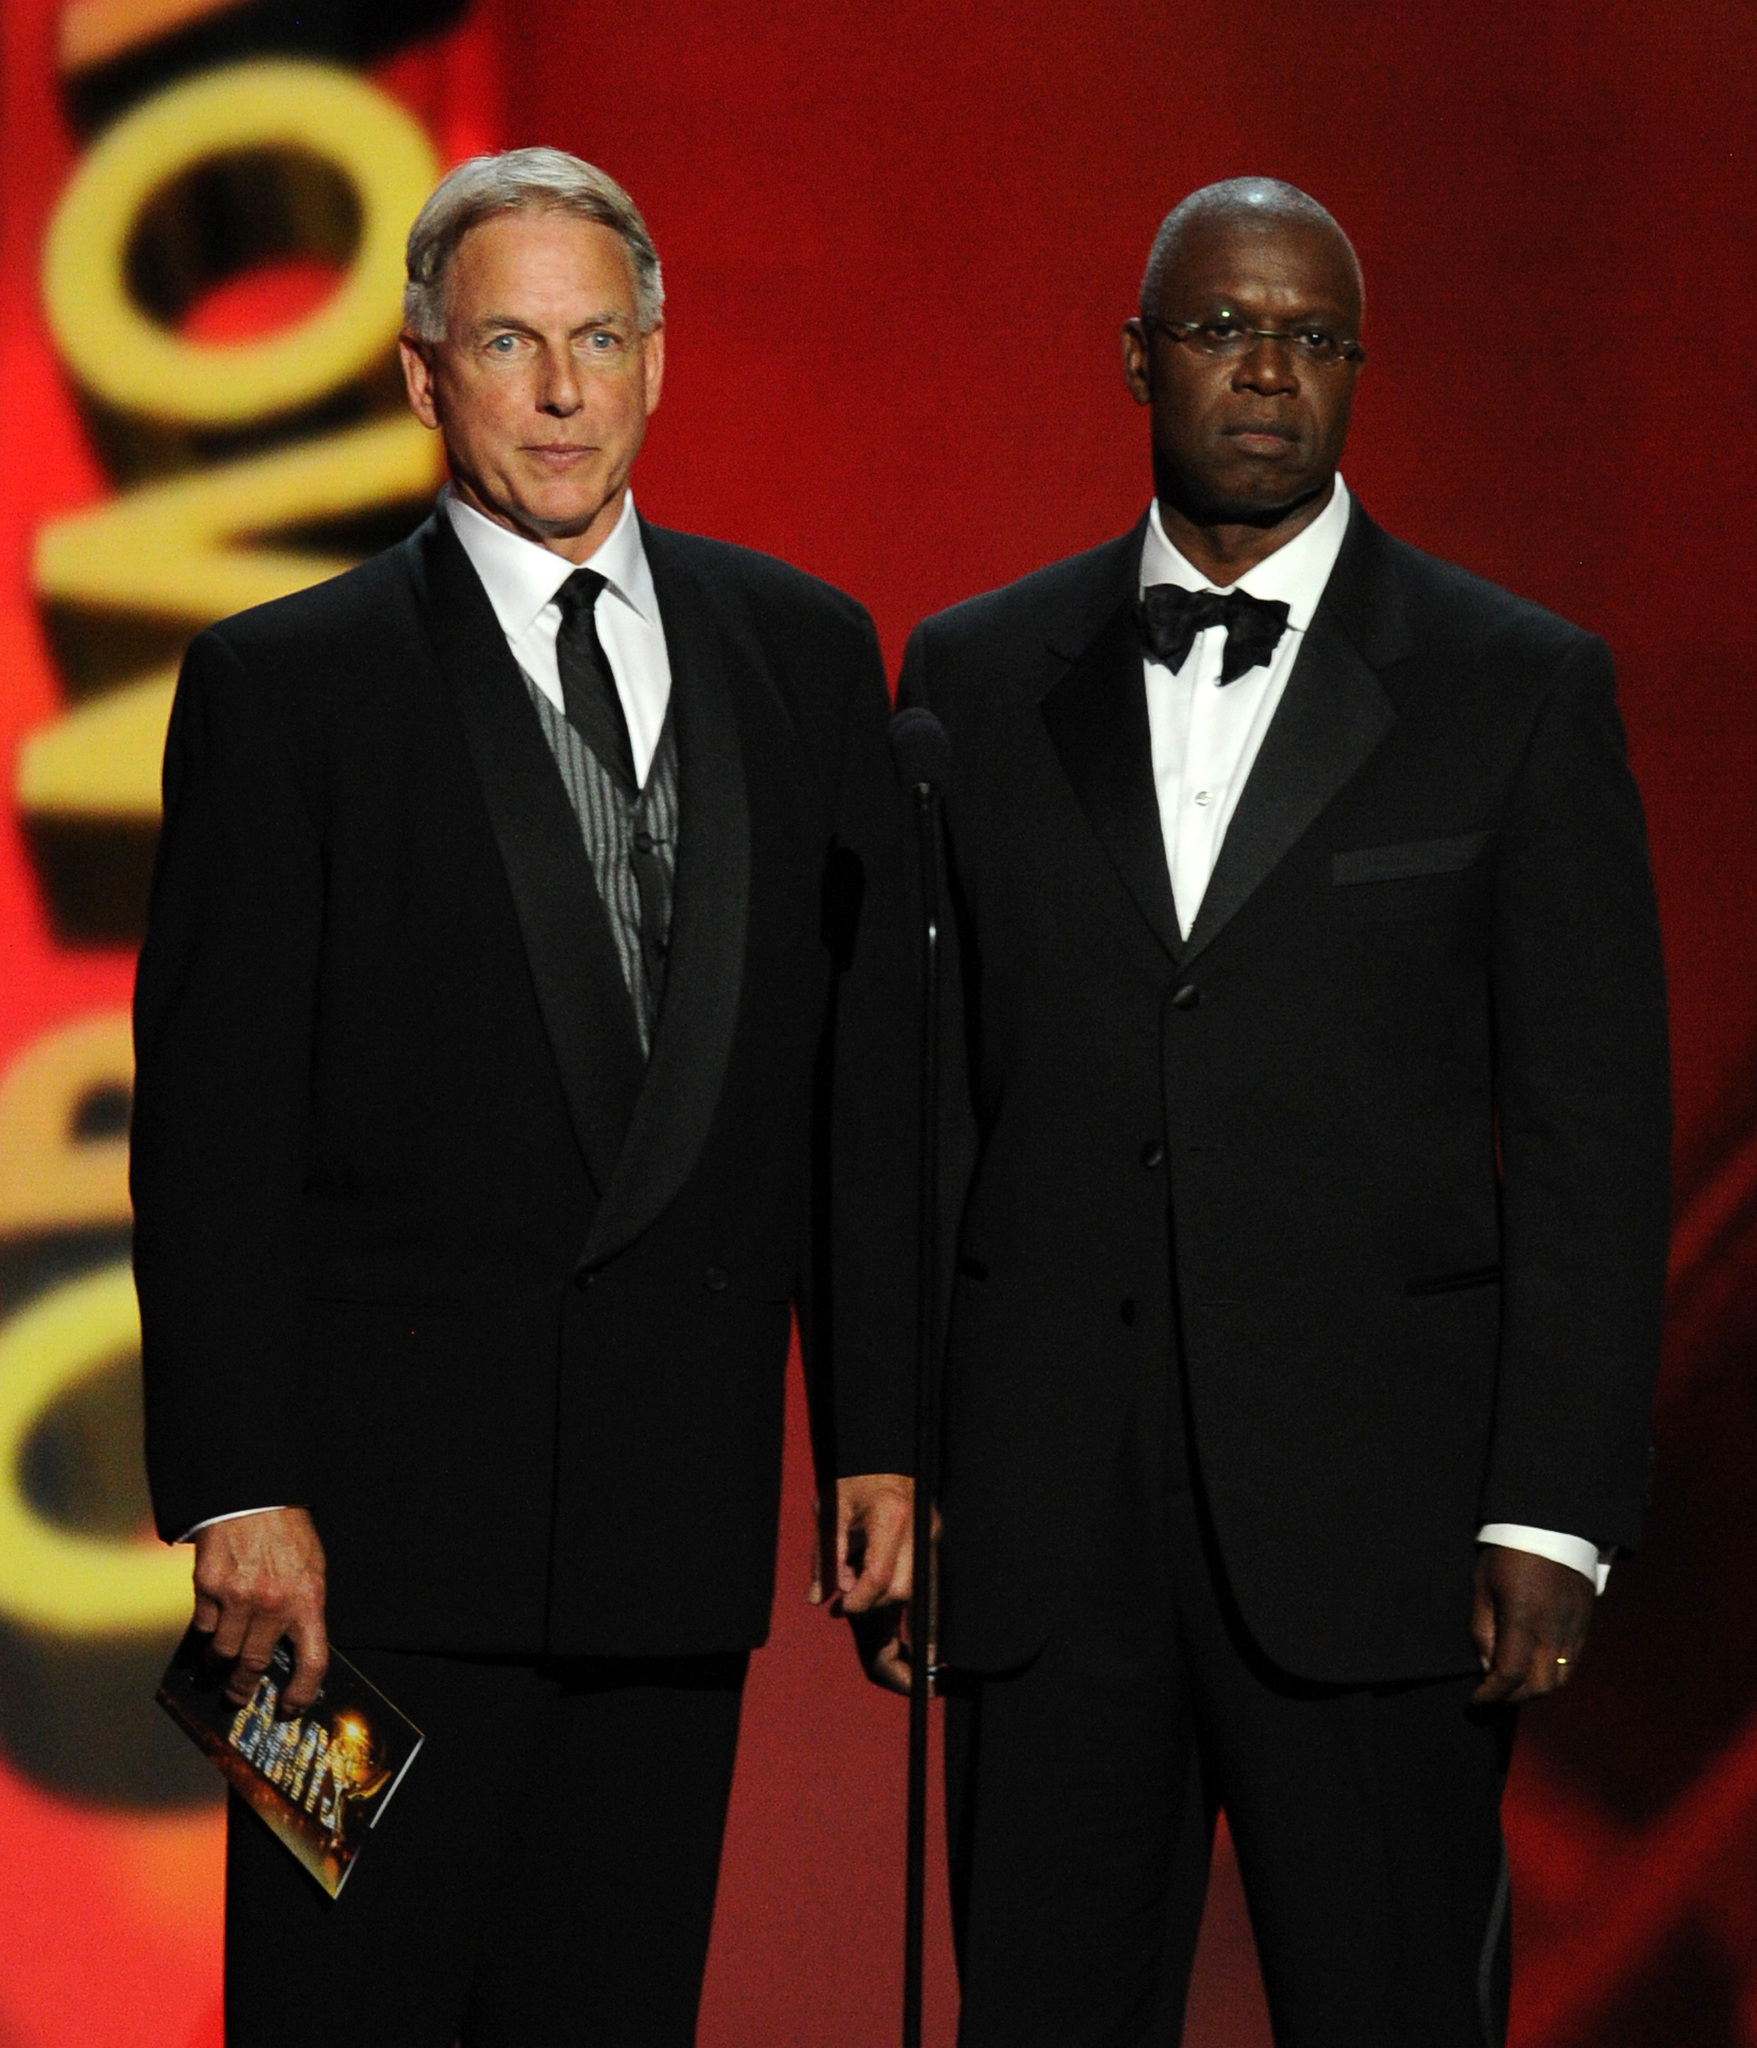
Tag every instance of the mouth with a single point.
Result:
(1261, 437)
(557, 454)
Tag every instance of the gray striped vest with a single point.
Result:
(631, 841)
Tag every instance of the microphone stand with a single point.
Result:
(925, 802)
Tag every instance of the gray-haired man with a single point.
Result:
(518, 902)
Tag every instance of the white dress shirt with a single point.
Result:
(1205, 739)
(521, 578)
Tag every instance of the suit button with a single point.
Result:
(1152, 1154)
(1128, 1314)
(716, 1279)
(585, 1278)
(1187, 997)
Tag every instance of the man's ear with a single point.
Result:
(1135, 362)
(653, 363)
(418, 380)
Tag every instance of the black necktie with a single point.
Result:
(588, 689)
(1171, 617)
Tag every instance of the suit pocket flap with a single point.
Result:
(1457, 1283)
(1417, 857)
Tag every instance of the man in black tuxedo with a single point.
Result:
(519, 908)
(1308, 1275)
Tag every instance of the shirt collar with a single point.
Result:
(1295, 575)
(522, 576)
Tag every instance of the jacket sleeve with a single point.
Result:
(857, 1301)
(1583, 1096)
(223, 1014)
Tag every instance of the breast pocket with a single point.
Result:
(1406, 861)
(1413, 878)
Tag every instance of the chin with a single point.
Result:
(559, 521)
(1247, 501)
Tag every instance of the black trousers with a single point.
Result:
(545, 1874)
(1082, 1791)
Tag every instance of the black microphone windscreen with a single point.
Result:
(920, 748)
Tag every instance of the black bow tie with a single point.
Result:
(1171, 617)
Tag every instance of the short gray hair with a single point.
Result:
(520, 181)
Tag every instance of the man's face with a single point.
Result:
(1247, 438)
(543, 384)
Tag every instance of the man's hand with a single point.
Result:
(874, 1542)
(1528, 1617)
(875, 1555)
(874, 1539)
(257, 1578)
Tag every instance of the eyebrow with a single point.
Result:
(510, 323)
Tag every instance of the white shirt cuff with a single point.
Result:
(1574, 1551)
(231, 1515)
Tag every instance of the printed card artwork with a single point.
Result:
(320, 1780)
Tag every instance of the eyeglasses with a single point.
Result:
(1226, 339)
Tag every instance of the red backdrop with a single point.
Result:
(898, 244)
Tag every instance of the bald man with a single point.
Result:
(1308, 1274)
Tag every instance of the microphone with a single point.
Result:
(921, 749)
(923, 755)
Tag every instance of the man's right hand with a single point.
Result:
(257, 1578)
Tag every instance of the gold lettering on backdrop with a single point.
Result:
(101, 761)
(180, 548)
(51, 1177)
(171, 548)
(54, 1578)
(95, 31)
(126, 358)
(178, 551)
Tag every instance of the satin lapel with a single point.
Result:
(583, 998)
(1332, 715)
(1097, 718)
(704, 969)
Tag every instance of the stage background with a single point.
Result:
(898, 244)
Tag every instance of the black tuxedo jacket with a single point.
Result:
(1382, 1147)
(420, 1240)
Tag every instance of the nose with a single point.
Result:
(558, 393)
(1268, 365)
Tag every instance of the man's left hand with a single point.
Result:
(1528, 1617)
(874, 1541)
